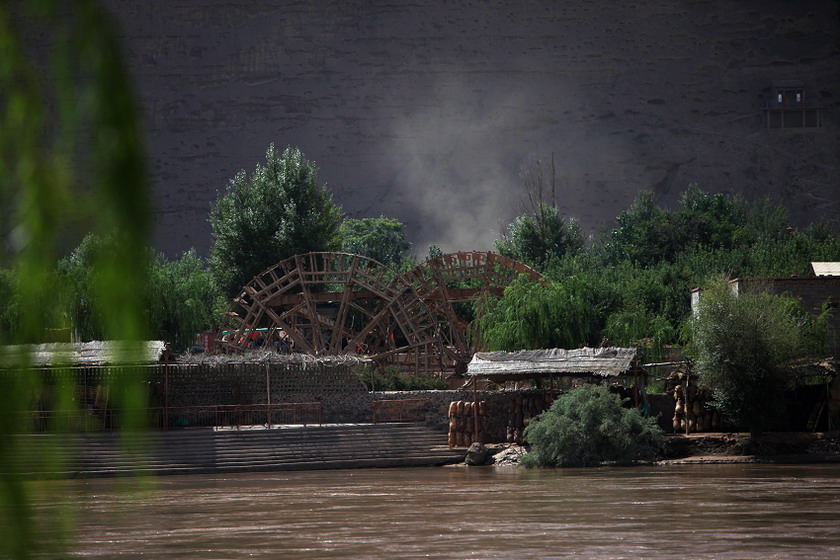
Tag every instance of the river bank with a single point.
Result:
(721, 448)
(773, 447)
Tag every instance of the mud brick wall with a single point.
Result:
(337, 387)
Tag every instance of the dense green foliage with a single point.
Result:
(71, 158)
(381, 239)
(276, 212)
(78, 274)
(183, 300)
(388, 378)
(742, 342)
(532, 314)
(537, 238)
(588, 426)
(640, 273)
(647, 234)
(179, 298)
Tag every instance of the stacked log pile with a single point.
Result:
(521, 410)
(698, 415)
(462, 428)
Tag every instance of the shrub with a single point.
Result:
(388, 378)
(742, 343)
(588, 426)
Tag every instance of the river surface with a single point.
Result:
(691, 511)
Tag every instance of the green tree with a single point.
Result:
(71, 156)
(647, 234)
(381, 239)
(742, 342)
(532, 315)
(537, 238)
(276, 212)
(79, 272)
(642, 233)
(183, 300)
(588, 426)
(180, 298)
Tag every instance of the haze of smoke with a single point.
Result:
(460, 161)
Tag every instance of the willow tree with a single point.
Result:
(71, 157)
(743, 342)
(532, 315)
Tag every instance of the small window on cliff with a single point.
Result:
(789, 107)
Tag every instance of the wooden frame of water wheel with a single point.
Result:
(454, 278)
(340, 303)
(336, 303)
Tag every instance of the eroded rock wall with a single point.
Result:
(428, 111)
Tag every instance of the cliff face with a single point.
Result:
(430, 111)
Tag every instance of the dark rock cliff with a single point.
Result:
(429, 111)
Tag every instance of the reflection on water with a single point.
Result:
(699, 511)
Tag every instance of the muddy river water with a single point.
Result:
(697, 511)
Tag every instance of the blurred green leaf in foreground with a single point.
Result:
(71, 161)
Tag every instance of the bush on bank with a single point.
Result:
(588, 426)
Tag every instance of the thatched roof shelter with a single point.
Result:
(303, 361)
(94, 353)
(528, 364)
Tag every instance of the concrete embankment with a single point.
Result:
(214, 450)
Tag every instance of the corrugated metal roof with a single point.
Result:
(97, 352)
(532, 363)
(826, 268)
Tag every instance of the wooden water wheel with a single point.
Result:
(334, 303)
(339, 303)
(448, 282)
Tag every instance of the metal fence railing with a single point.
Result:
(97, 420)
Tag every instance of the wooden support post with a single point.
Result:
(268, 395)
(687, 407)
(165, 387)
(475, 410)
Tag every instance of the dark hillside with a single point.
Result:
(428, 111)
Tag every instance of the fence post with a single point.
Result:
(268, 394)
(166, 387)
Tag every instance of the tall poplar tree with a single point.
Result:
(276, 212)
